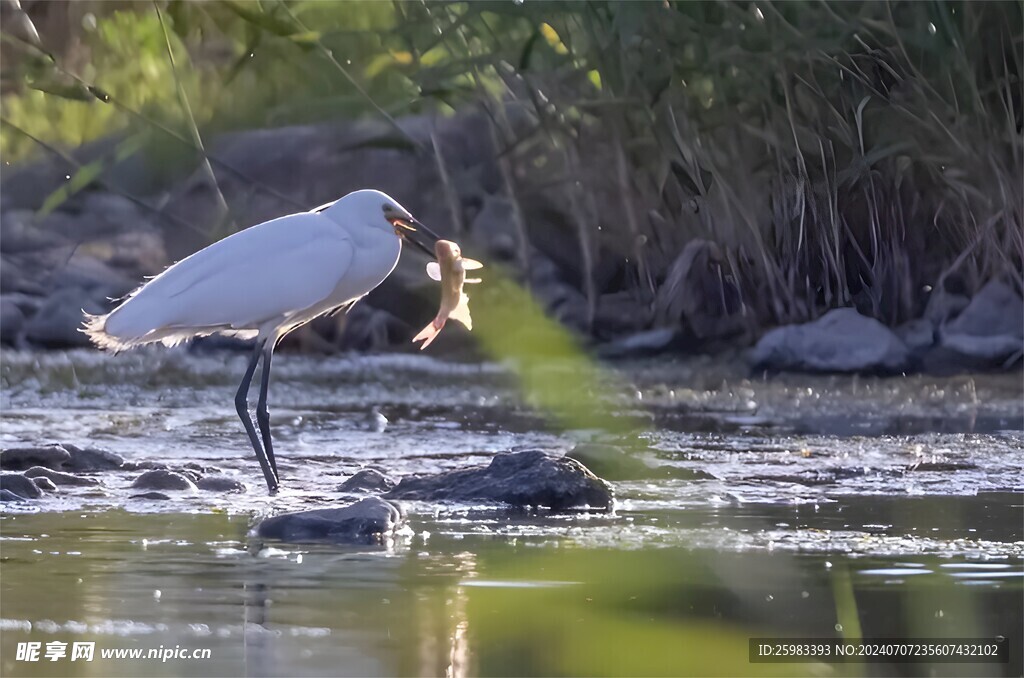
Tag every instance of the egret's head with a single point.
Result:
(384, 212)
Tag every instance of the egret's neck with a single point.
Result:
(375, 256)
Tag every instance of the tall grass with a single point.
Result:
(836, 153)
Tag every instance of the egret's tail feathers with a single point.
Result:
(96, 328)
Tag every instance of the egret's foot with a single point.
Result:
(273, 486)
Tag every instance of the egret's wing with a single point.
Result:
(270, 270)
(434, 271)
(471, 264)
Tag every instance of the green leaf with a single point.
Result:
(74, 91)
(524, 58)
(178, 12)
(86, 174)
(79, 180)
(240, 63)
(305, 38)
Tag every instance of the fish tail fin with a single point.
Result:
(461, 312)
(428, 334)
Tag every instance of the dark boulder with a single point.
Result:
(614, 463)
(12, 319)
(991, 328)
(22, 458)
(58, 320)
(367, 480)
(60, 478)
(367, 521)
(221, 484)
(842, 340)
(86, 459)
(163, 479)
(529, 478)
(918, 335)
(20, 485)
(7, 495)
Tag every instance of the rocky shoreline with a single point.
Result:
(127, 224)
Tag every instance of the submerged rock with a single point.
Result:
(22, 458)
(7, 495)
(162, 479)
(59, 477)
(529, 478)
(614, 463)
(842, 340)
(367, 521)
(367, 480)
(20, 485)
(157, 496)
(221, 484)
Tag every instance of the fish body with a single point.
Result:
(450, 269)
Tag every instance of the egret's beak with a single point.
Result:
(413, 231)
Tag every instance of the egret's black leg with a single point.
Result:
(242, 407)
(262, 413)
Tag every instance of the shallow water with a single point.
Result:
(840, 506)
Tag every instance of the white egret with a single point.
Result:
(264, 282)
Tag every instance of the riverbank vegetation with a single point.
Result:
(781, 159)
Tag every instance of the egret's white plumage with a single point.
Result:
(262, 283)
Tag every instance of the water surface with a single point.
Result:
(838, 506)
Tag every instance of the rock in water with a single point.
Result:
(59, 477)
(221, 484)
(163, 479)
(20, 485)
(154, 496)
(842, 340)
(529, 478)
(7, 495)
(368, 521)
(991, 328)
(90, 459)
(21, 458)
(367, 480)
